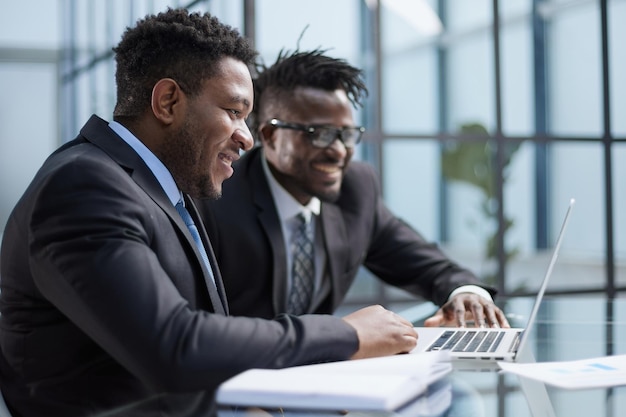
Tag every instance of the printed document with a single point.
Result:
(602, 372)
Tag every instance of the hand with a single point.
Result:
(468, 306)
(381, 332)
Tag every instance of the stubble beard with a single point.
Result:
(326, 195)
(181, 155)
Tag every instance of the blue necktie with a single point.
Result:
(303, 269)
(180, 207)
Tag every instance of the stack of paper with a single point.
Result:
(384, 383)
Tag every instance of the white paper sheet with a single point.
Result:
(601, 372)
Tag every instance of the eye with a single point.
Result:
(234, 112)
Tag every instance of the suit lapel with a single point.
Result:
(335, 238)
(270, 223)
(216, 294)
(98, 132)
(216, 291)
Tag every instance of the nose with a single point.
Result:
(338, 147)
(243, 137)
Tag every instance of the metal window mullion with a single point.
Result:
(500, 143)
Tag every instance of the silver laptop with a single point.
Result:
(487, 345)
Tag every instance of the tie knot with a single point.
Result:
(303, 217)
(303, 222)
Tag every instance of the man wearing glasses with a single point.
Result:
(307, 217)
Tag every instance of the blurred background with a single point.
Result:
(484, 117)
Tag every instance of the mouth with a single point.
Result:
(327, 168)
(228, 158)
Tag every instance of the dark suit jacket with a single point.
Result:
(356, 230)
(104, 299)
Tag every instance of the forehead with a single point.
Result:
(232, 81)
(306, 100)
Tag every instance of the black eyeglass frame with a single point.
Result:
(316, 133)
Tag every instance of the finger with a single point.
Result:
(435, 320)
(478, 313)
(459, 312)
(502, 319)
(492, 318)
(409, 344)
(412, 333)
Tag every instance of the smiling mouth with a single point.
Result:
(228, 159)
(327, 168)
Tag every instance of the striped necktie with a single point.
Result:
(303, 268)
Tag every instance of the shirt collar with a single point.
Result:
(287, 206)
(160, 171)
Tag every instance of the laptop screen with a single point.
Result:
(546, 278)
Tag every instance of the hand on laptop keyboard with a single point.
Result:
(464, 308)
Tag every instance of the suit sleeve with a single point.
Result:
(400, 256)
(96, 241)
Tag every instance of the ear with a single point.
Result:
(167, 98)
(266, 134)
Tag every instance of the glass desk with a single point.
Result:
(568, 328)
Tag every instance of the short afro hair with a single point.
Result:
(312, 69)
(173, 44)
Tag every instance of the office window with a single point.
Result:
(29, 82)
(516, 49)
(28, 127)
(415, 163)
(409, 70)
(517, 108)
(617, 62)
(470, 88)
(574, 71)
(524, 109)
(305, 25)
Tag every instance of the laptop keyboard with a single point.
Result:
(468, 341)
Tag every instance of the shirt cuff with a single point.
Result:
(475, 289)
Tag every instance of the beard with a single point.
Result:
(181, 153)
(328, 196)
(325, 194)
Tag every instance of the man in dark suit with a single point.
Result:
(107, 299)
(305, 126)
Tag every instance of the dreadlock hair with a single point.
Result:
(173, 44)
(302, 69)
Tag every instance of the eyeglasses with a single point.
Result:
(324, 136)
